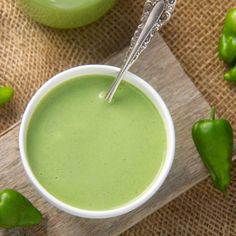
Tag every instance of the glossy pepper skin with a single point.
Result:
(231, 75)
(6, 94)
(16, 210)
(213, 139)
(227, 44)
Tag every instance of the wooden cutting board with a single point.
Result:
(160, 68)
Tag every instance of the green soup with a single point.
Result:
(65, 13)
(91, 154)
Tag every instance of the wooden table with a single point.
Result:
(160, 68)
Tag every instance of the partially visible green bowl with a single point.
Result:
(65, 14)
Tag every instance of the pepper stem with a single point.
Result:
(213, 113)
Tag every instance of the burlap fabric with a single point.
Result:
(30, 54)
(201, 211)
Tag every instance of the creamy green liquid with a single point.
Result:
(91, 154)
(65, 13)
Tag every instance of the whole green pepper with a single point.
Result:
(227, 44)
(16, 210)
(6, 94)
(214, 141)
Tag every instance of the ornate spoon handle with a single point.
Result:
(156, 13)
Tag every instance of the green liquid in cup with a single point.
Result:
(65, 13)
(91, 154)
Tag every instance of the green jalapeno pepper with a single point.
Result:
(213, 139)
(16, 210)
(231, 75)
(227, 44)
(6, 94)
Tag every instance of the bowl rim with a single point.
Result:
(138, 83)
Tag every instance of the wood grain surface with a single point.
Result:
(160, 68)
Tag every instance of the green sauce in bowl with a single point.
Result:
(93, 155)
(65, 13)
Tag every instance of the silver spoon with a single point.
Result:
(156, 13)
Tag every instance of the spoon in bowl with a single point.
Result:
(155, 14)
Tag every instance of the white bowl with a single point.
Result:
(138, 83)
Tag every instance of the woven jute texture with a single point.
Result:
(31, 53)
(201, 211)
